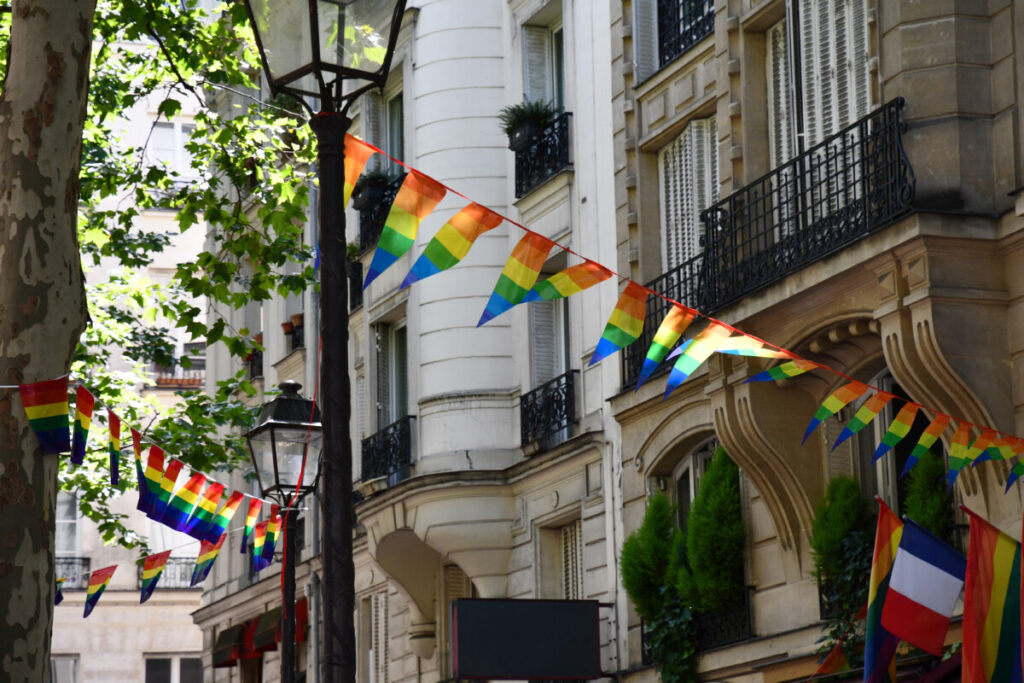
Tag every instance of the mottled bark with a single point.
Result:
(42, 299)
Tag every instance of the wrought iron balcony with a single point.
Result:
(179, 378)
(545, 157)
(716, 629)
(176, 575)
(681, 25)
(547, 412)
(74, 571)
(388, 453)
(355, 284)
(373, 214)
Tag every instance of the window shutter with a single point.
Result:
(400, 373)
(373, 126)
(705, 140)
(645, 38)
(809, 70)
(456, 585)
(396, 130)
(361, 427)
(689, 185)
(383, 377)
(572, 561)
(544, 365)
(860, 84)
(537, 64)
(780, 125)
(379, 637)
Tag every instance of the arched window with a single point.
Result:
(686, 477)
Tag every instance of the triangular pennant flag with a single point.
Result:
(698, 350)
(199, 524)
(46, 406)
(924, 444)
(744, 345)
(669, 332)
(168, 478)
(415, 200)
(569, 281)
(250, 521)
(259, 539)
(1015, 473)
(357, 153)
(149, 484)
(958, 451)
(179, 508)
(452, 242)
(519, 275)
(223, 517)
(84, 402)
(114, 423)
(625, 323)
(207, 554)
(871, 408)
(58, 597)
(273, 529)
(880, 645)
(152, 568)
(98, 581)
(834, 403)
(784, 371)
(1004, 448)
(898, 429)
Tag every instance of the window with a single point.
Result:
(196, 353)
(455, 584)
(687, 478)
(166, 147)
(377, 653)
(665, 29)
(384, 126)
(572, 560)
(173, 669)
(689, 184)
(780, 128)
(544, 65)
(67, 542)
(549, 340)
(64, 668)
(392, 373)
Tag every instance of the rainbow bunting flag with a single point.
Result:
(219, 525)
(880, 645)
(1015, 473)
(834, 403)
(867, 412)
(695, 351)
(259, 539)
(924, 444)
(255, 504)
(572, 280)
(992, 614)
(202, 516)
(520, 273)
(273, 529)
(744, 345)
(98, 581)
(357, 153)
(1004, 448)
(152, 568)
(207, 554)
(834, 663)
(958, 451)
(149, 485)
(452, 242)
(137, 449)
(84, 402)
(790, 369)
(415, 200)
(114, 423)
(168, 478)
(46, 406)
(625, 324)
(669, 332)
(179, 509)
(979, 450)
(898, 430)
(58, 597)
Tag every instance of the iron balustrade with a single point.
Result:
(388, 453)
(74, 571)
(547, 412)
(177, 574)
(371, 218)
(681, 25)
(715, 629)
(548, 155)
(179, 378)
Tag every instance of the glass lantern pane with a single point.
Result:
(354, 34)
(283, 27)
(291, 443)
(263, 456)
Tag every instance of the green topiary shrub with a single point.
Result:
(841, 512)
(646, 557)
(929, 501)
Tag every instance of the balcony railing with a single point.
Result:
(547, 412)
(355, 285)
(545, 157)
(75, 571)
(176, 575)
(372, 217)
(723, 628)
(681, 25)
(179, 378)
(388, 453)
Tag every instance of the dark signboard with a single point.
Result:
(523, 639)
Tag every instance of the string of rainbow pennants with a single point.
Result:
(419, 194)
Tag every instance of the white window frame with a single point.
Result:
(57, 671)
(688, 472)
(544, 63)
(392, 373)
(75, 534)
(175, 660)
(180, 162)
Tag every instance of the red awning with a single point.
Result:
(228, 647)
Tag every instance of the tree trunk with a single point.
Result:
(42, 299)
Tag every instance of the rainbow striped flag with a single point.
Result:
(695, 351)
(784, 371)
(114, 423)
(880, 645)
(273, 529)
(259, 539)
(46, 406)
(168, 478)
(255, 504)
(137, 449)
(669, 332)
(744, 345)
(58, 597)
(992, 614)
(152, 568)
(84, 403)
(1015, 473)
(98, 581)
(452, 242)
(149, 485)
(834, 403)
(219, 525)
(924, 444)
(518, 276)
(979, 450)
(415, 200)
(569, 281)
(867, 412)
(207, 554)
(357, 153)
(202, 516)
(898, 430)
(834, 663)
(625, 324)
(179, 509)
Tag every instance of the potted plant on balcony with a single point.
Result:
(524, 123)
(371, 187)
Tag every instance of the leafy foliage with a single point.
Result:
(672, 639)
(840, 513)
(646, 557)
(541, 111)
(929, 501)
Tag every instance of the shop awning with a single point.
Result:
(263, 633)
(228, 647)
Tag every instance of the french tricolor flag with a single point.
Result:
(927, 578)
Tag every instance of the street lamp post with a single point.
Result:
(331, 51)
(285, 447)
